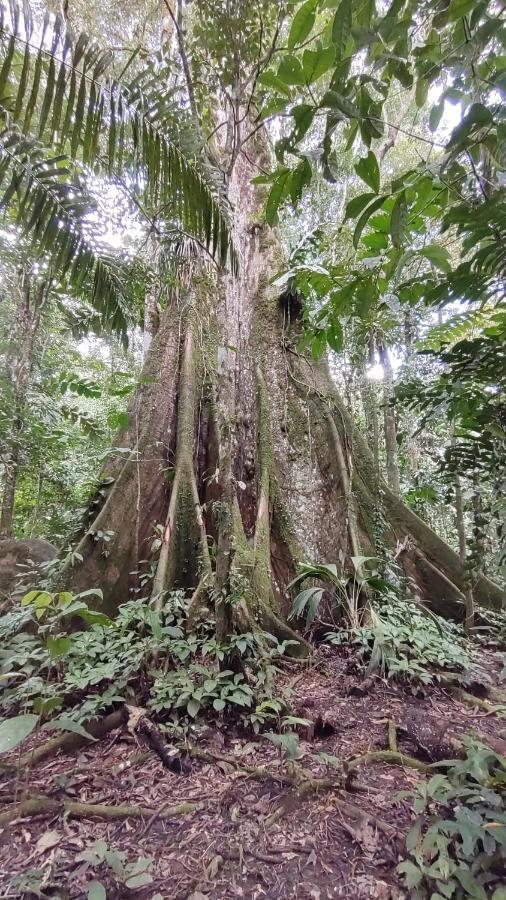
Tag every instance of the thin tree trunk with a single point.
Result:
(392, 463)
(461, 532)
(30, 300)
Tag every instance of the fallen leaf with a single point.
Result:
(214, 866)
(311, 860)
(47, 840)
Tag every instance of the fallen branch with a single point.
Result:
(40, 806)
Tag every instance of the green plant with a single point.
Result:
(347, 594)
(198, 687)
(287, 743)
(406, 640)
(457, 844)
(129, 875)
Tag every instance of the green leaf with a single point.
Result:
(36, 599)
(270, 79)
(364, 218)
(58, 646)
(368, 170)
(318, 344)
(13, 731)
(335, 336)
(288, 742)
(316, 62)
(412, 873)
(302, 23)
(278, 193)
(96, 891)
(138, 881)
(477, 116)
(398, 220)
(63, 723)
(421, 92)
(219, 704)
(303, 115)
(438, 256)
(93, 617)
(301, 177)
(341, 27)
(354, 207)
(436, 115)
(334, 100)
(460, 8)
(193, 707)
(290, 71)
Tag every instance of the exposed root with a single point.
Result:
(316, 785)
(344, 477)
(66, 743)
(41, 806)
(184, 486)
(392, 736)
(389, 756)
(489, 708)
(304, 786)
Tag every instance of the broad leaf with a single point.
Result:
(14, 731)
(398, 220)
(368, 170)
(302, 23)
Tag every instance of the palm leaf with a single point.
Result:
(127, 129)
(51, 209)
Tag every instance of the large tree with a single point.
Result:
(240, 450)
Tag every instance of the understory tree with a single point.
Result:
(240, 459)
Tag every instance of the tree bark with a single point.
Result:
(30, 300)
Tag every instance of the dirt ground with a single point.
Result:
(226, 847)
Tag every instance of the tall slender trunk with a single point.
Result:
(392, 463)
(461, 532)
(370, 406)
(29, 303)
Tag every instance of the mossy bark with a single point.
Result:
(265, 463)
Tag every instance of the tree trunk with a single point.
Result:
(461, 532)
(152, 298)
(238, 441)
(390, 427)
(30, 299)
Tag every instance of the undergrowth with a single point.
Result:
(406, 641)
(50, 668)
(376, 610)
(457, 843)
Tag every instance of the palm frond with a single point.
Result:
(60, 86)
(51, 209)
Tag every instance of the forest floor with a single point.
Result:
(228, 846)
